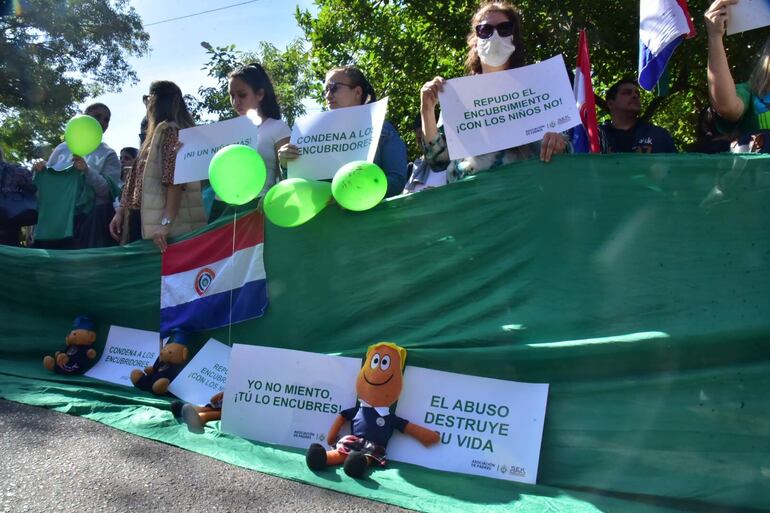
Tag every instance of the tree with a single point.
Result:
(401, 44)
(54, 55)
(288, 71)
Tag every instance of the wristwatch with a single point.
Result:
(166, 221)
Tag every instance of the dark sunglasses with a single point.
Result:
(333, 87)
(485, 30)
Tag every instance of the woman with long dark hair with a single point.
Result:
(252, 94)
(151, 206)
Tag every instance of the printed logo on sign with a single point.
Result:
(484, 465)
(564, 119)
(304, 435)
(203, 280)
(552, 124)
(518, 471)
(535, 130)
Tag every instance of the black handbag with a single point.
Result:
(17, 208)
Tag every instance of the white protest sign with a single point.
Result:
(489, 427)
(204, 375)
(126, 349)
(328, 140)
(495, 111)
(747, 15)
(200, 143)
(286, 397)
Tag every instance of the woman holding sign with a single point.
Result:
(347, 87)
(742, 108)
(251, 92)
(495, 43)
(151, 205)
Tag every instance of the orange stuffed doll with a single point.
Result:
(378, 386)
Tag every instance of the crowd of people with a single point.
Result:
(102, 199)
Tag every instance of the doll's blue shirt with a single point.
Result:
(366, 423)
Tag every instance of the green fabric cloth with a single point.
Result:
(59, 194)
(637, 286)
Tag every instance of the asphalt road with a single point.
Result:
(52, 462)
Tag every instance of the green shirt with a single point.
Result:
(755, 116)
(57, 194)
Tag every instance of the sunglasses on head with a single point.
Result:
(485, 30)
(333, 87)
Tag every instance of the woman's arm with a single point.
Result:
(278, 145)
(722, 95)
(428, 102)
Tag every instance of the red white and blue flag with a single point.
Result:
(214, 279)
(585, 137)
(663, 24)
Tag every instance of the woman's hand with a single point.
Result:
(159, 238)
(553, 143)
(429, 95)
(79, 163)
(116, 225)
(286, 153)
(716, 17)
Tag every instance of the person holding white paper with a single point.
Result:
(347, 87)
(252, 93)
(151, 205)
(495, 43)
(743, 108)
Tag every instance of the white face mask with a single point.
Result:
(496, 50)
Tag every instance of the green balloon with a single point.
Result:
(237, 174)
(359, 185)
(296, 201)
(83, 134)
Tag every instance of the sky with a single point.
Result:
(176, 54)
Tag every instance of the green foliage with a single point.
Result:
(288, 71)
(401, 44)
(54, 56)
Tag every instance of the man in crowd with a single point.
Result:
(625, 132)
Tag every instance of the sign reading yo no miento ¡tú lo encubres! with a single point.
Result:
(496, 111)
(286, 397)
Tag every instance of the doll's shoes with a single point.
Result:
(316, 457)
(191, 418)
(356, 464)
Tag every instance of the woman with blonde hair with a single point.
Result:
(151, 205)
(745, 107)
(495, 43)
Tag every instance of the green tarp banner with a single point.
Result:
(637, 286)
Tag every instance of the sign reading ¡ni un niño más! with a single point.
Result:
(489, 427)
(201, 143)
(328, 140)
(495, 111)
(204, 375)
(286, 397)
(126, 349)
